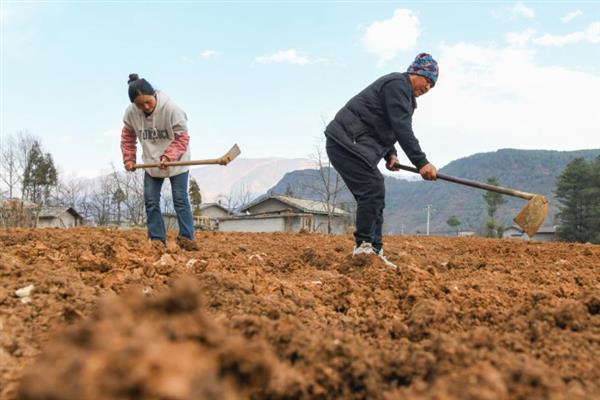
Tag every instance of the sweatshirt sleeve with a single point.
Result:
(180, 143)
(128, 143)
(398, 105)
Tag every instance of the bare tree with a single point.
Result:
(238, 196)
(133, 186)
(9, 171)
(69, 192)
(14, 154)
(328, 186)
(101, 201)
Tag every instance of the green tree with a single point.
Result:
(578, 193)
(493, 201)
(454, 223)
(195, 196)
(39, 175)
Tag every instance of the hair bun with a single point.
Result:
(132, 77)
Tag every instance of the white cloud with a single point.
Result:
(389, 37)
(571, 16)
(590, 35)
(206, 54)
(520, 39)
(523, 38)
(489, 98)
(521, 10)
(593, 32)
(290, 56)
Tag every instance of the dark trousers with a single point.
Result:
(367, 187)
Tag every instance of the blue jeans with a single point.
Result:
(179, 189)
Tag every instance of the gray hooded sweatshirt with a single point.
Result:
(157, 131)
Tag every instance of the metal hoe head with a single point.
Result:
(231, 154)
(532, 216)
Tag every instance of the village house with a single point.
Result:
(210, 214)
(279, 213)
(544, 234)
(59, 217)
(18, 213)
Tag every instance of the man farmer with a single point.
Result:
(365, 130)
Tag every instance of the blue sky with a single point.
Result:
(266, 75)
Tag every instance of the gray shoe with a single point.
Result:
(364, 248)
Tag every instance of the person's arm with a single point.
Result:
(398, 105)
(391, 158)
(391, 153)
(128, 144)
(180, 143)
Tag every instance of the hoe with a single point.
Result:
(530, 218)
(226, 159)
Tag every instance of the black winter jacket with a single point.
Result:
(375, 119)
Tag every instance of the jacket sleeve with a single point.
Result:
(128, 144)
(398, 106)
(180, 143)
(390, 153)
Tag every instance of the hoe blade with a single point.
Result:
(532, 216)
(231, 155)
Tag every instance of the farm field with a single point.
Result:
(293, 316)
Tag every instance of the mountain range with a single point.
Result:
(533, 171)
(245, 177)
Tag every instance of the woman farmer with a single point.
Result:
(161, 127)
(365, 130)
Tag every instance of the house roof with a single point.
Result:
(54, 212)
(204, 206)
(304, 205)
(250, 217)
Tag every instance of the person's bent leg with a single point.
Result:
(181, 203)
(365, 183)
(377, 237)
(369, 212)
(154, 220)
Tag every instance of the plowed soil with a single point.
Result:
(293, 316)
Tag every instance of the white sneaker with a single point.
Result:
(364, 248)
(385, 260)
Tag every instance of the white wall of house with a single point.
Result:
(283, 223)
(64, 220)
(214, 212)
(541, 236)
(338, 224)
(272, 224)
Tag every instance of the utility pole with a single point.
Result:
(428, 213)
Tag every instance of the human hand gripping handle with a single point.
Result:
(428, 172)
(391, 163)
(130, 166)
(163, 161)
